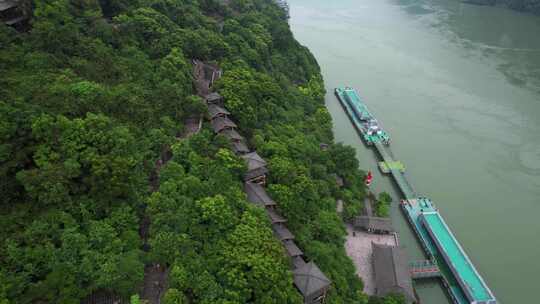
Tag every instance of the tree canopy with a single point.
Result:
(92, 96)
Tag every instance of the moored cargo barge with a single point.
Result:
(362, 119)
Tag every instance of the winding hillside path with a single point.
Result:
(155, 281)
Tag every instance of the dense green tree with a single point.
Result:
(221, 231)
(391, 299)
(250, 271)
(90, 157)
(174, 296)
(96, 91)
(382, 207)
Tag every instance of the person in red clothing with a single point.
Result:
(369, 178)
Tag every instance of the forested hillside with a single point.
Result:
(95, 92)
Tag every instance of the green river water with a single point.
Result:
(457, 87)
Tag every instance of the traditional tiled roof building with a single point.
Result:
(392, 272)
(373, 224)
(256, 171)
(311, 283)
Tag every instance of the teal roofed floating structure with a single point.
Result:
(460, 277)
(457, 272)
(468, 278)
(361, 118)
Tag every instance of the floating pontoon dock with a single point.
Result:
(461, 279)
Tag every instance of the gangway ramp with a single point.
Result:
(425, 269)
(399, 176)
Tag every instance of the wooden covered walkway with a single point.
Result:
(308, 278)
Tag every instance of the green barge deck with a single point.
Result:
(458, 274)
(362, 119)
